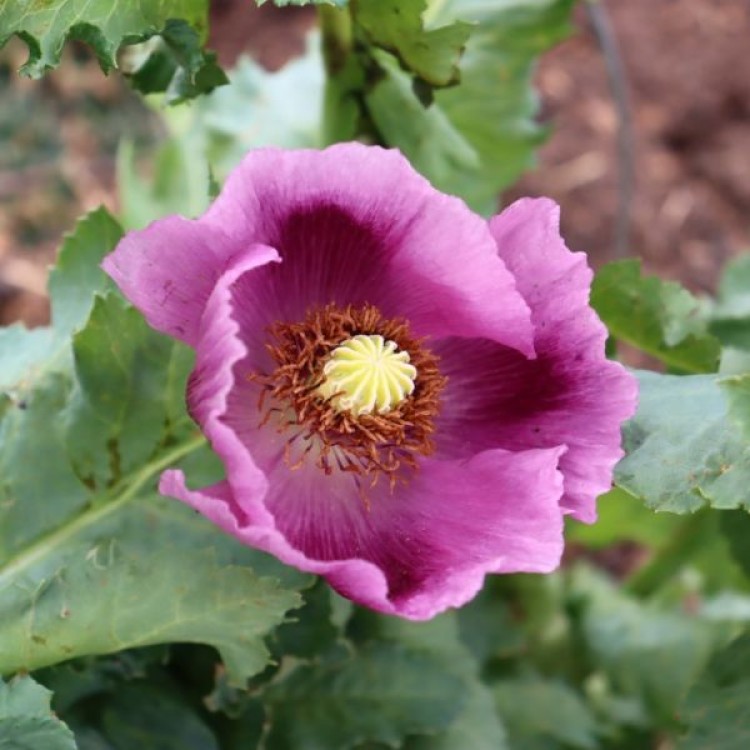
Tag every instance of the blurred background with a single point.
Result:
(659, 169)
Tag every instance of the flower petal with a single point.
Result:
(356, 224)
(168, 271)
(414, 552)
(571, 394)
(212, 380)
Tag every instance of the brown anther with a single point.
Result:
(371, 444)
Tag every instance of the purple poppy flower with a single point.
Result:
(404, 396)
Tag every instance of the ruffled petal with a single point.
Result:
(212, 381)
(168, 271)
(356, 224)
(570, 394)
(413, 552)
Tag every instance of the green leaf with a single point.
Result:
(84, 436)
(80, 591)
(26, 720)
(660, 318)
(716, 710)
(737, 390)
(476, 138)
(396, 26)
(309, 631)
(730, 317)
(683, 450)
(477, 727)
(121, 396)
(179, 66)
(647, 652)
(382, 693)
(76, 275)
(146, 717)
(28, 355)
(736, 527)
(79, 680)
(536, 709)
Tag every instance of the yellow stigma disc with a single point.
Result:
(369, 374)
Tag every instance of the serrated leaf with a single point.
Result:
(382, 693)
(489, 117)
(310, 630)
(178, 66)
(26, 355)
(659, 317)
(120, 400)
(83, 439)
(26, 720)
(396, 26)
(76, 275)
(537, 710)
(683, 450)
(81, 590)
(45, 25)
(716, 710)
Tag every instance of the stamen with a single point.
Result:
(357, 387)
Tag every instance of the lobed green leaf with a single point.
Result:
(382, 693)
(475, 138)
(26, 719)
(85, 434)
(658, 317)
(179, 66)
(396, 26)
(684, 451)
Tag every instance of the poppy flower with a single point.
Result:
(405, 396)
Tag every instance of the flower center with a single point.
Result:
(367, 373)
(353, 391)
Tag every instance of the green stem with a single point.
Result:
(121, 494)
(337, 37)
(689, 538)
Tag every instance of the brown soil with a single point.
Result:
(686, 67)
(685, 62)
